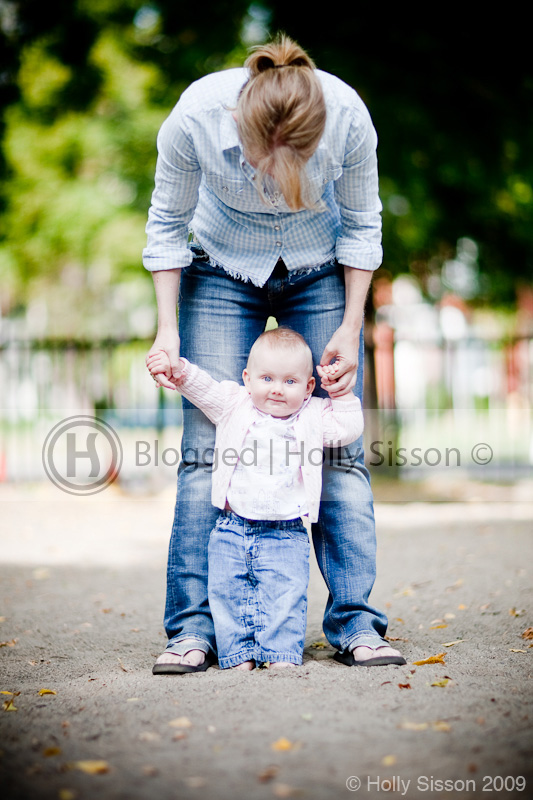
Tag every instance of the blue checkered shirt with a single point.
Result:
(204, 185)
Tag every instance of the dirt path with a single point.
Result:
(82, 595)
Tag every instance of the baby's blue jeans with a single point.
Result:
(258, 574)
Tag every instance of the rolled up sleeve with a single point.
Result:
(357, 196)
(175, 196)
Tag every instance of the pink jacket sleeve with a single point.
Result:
(342, 421)
(214, 398)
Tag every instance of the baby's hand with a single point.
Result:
(159, 362)
(328, 376)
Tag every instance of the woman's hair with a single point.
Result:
(282, 338)
(281, 115)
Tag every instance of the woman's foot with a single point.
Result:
(379, 656)
(246, 666)
(190, 661)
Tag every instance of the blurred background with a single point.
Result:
(84, 88)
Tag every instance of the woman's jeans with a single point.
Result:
(258, 578)
(220, 317)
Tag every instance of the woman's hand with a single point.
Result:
(165, 369)
(343, 348)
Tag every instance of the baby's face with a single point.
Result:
(278, 381)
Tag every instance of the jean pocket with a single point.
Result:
(297, 535)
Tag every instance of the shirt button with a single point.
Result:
(278, 244)
(277, 227)
(225, 188)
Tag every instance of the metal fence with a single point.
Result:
(419, 396)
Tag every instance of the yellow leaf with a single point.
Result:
(67, 794)
(46, 691)
(435, 627)
(514, 650)
(318, 645)
(462, 607)
(10, 693)
(443, 682)
(92, 767)
(11, 643)
(9, 706)
(439, 659)
(282, 744)
(517, 612)
(451, 644)
(528, 633)
(389, 761)
(180, 722)
(48, 752)
(440, 725)
(414, 726)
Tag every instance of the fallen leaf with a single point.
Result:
(515, 650)
(443, 682)
(435, 627)
(41, 574)
(121, 665)
(528, 633)
(449, 615)
(48, 752)
(318, 645)
(462, 607)
(149, 736)
(284, 790)
(133, 699)
(282, 744)
(11, 643)
(517, 612)
(389, 761)
(11, 694)
(440, 725)
(268, 774)
(451, 644)
(8, 705)
(396, 639)
(404, 686)
(180, 722)
(438, 659)
(67, 794)
(46, 691)
(195, 782)
(92, 766)
(414, 726)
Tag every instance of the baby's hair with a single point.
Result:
(282, 338)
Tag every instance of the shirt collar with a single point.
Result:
(229, 136)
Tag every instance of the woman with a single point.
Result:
(273, 168)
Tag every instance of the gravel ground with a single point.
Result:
(82, 597)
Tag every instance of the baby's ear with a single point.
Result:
(246, 379)
(311, 383)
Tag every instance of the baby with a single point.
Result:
(270, 435)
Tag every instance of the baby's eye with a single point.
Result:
(267, 378)
(290, 381)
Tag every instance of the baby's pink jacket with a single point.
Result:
(321, 423)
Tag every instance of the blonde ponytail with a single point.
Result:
(281, 115)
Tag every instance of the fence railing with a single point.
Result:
(419, 396)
